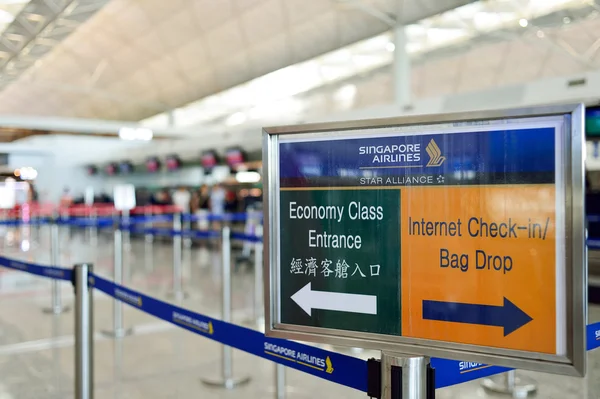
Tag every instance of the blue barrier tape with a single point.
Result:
(341, 369)
(153, 231)
(151, 219)
(202, 234)
(228, 217)
(593, 244)
(593, 218)
(19, 222)
(335, 367)
(45, 271)
(245, 237)
(172, 233)
(331, 366)
(86, 222)
(593, 336)
(453, 372)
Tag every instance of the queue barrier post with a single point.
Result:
(280, 388)
(178, 292)
(94, 227)
(56, 308)
(118, 330)
(187, 225)
(84, 331)
(226, 380)
(148, 212)
(510, 385)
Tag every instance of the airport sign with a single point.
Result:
(457, 236)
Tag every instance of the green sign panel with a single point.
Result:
(340, 251)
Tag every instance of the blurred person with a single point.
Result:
(66, 200)
(202, 210)
(231, 201)
(218, 196)
(195, 201)
(161, 197)
(32, 195)
(181, 199)
(204, 197)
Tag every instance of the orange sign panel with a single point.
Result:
(479, 266)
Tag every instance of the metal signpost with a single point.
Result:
(457, 236)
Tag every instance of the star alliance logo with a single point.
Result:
(435, 154)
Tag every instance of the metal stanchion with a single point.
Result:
(279, 381)
(187, 225)
(57, 307)
(84, 333)
(509, 384)
(178, 292)
(148, 212)
(94, 227)
(226, 380)
(118, 330)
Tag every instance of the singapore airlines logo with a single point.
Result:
(435, 154)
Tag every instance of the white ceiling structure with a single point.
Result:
(213, 61)
(134, 59)
(477, 46)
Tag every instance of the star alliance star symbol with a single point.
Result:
(440, 179)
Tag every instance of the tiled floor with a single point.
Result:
(160, 360)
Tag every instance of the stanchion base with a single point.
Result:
(56, 310)
(228, 383)
(178, 296)
(523, 387)
(118, 334)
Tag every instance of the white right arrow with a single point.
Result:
(308, 300)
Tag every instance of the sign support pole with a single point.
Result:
(227, 380)
(405, 376)
(57, 307)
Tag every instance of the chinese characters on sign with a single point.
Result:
(310, 268)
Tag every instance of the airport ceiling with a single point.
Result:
(136, 58)
(131, 59)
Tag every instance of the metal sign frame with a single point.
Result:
(572, 363)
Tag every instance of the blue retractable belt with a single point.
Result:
(335, 367)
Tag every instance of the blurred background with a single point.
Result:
(167, 99)
(173, 94)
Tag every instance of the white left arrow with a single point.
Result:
(308, 300)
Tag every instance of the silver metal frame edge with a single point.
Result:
(574, 364)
